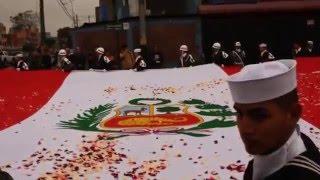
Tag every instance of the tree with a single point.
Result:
(64, 37)
(25, 20)
(168, 109)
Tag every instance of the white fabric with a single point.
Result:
(191, 59)
(24, 65)
(225, 55)
(137, 58)
(83, 90)
(262, 82)
(266, 165)
(106, 59)
(271, 56)
(143, 64)
(66, 60)
(138, 50)
(183, 59)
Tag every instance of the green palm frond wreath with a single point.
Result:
(89, 120)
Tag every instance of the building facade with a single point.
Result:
(198, 24)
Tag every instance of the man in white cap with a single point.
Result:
(238, 55)
(140, 64)
(268, 110)
(265, 55)
(186, 59)
(63, 62)
(309, 49)
(103, 62)
(219, 57)
(21, 64)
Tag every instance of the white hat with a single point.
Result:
(62, 52)
(184, 48)
(263, 45)
(138, 50)
(19, 55)
(310, 42)
(100, 50)
(262, 82)
(216, 45)
(238, 44)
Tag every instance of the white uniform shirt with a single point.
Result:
(142, 62)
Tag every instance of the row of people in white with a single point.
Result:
(237, 56)
(104, 63)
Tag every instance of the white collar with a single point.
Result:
(265, 165)
(138, 57)
(264, 51)
(298, 50)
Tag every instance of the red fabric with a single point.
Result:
(23, 93)
(308, 71)
(309, 88)
(232, 69)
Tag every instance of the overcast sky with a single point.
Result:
(55, 17)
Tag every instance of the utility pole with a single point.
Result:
(77, 20)
(42, 23)
(142, 23)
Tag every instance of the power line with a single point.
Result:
(68, 7)
(62, 5)
(69, 11)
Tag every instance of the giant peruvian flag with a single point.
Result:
(157, 124)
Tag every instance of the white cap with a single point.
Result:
(62, 52)
(184, 48)
(263, 45)
(310, 42)
(19, 55)
(237, 44)
(138, 50)
(216, 45)
(100, 50)
(262, 82)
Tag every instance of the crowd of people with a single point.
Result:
(68, 59)
(238, 56)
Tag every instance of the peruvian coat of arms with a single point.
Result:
(142, 116)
